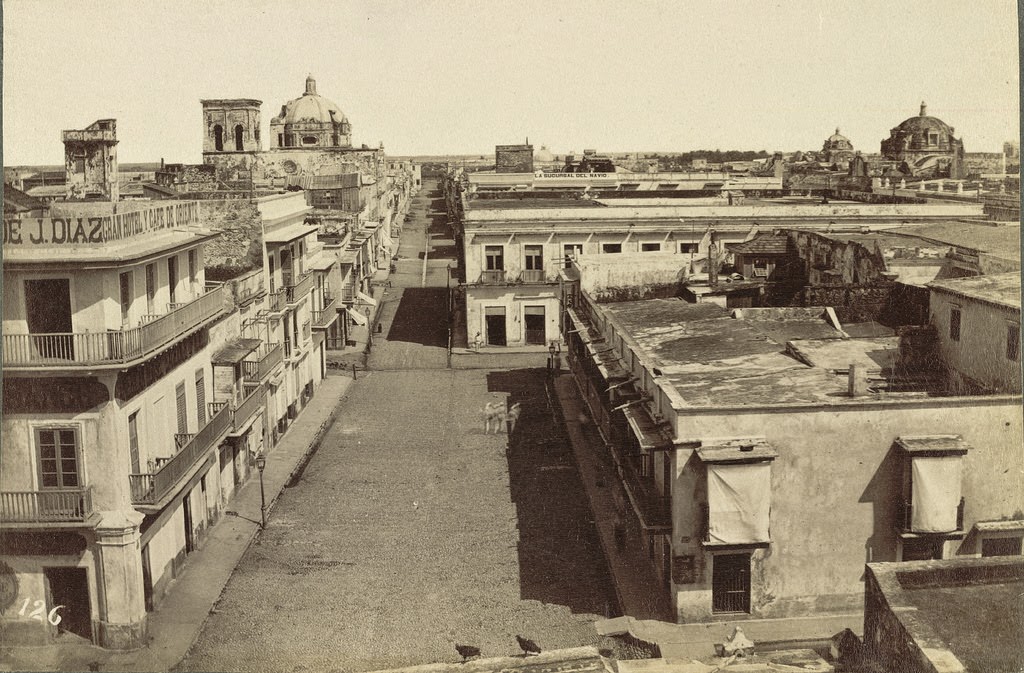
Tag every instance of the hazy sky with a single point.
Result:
(452, 76)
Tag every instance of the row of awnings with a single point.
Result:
(650, 435)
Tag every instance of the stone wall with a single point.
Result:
(513, 159)
(239, 248)
(834, 262)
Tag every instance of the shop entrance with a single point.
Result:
(69, 588)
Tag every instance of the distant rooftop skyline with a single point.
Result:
(455, 77)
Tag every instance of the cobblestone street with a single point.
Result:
(411, 529)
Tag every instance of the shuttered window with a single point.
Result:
(179, 394)
(200, 398)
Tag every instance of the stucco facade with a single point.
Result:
(682, 393)
(135, 404)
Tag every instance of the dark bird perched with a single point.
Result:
(528, 646)
(467, 651)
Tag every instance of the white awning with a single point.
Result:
(365, 298)
(739, 500)
(358, 317)
(935, 494)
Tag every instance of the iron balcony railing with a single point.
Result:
(249, 406)
(653, 508)
(348, 294)
(907, 516)
(492, 277)
(301, 289)
(328, 314)
(248, 287)
(57, 506)
(276, 300)
(88, 349)
(533, 276)
(269, 355)
(150, 488)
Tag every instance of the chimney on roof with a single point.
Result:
(924, 109)
(858, 381)
(712, 264)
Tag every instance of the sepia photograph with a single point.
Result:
(511, 336)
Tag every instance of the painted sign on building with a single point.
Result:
(98, 230)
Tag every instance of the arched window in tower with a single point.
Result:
(238, 137)
(218, 138)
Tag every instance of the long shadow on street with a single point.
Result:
(421, 317)
(560, 557)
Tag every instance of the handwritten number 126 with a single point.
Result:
(37, 614)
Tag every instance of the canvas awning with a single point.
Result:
(365, 298)
(739, 501)
(235, 351)
(358, 317)
(935, 493)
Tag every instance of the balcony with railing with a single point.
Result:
(267, 357)
(653, 508)
(277, 300)
(301, 289)
(248, 287)
(349, 287)
(152, 488)
(533, 276)
(46, 508)
(323, 318)
(248, 407)
(492, 277)
(114, 347)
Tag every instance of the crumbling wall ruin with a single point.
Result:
(239, 248)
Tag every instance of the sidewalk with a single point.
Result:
(649, 611)
(177, 621)
(638, 590)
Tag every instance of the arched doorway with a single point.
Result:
(238, 137)
(218, 138)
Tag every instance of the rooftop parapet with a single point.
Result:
(73, 230)
(90, 135)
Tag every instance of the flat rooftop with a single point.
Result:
(768, 213)
(1002, 289)
(773, 356)
(1002, 240)
(970, 607)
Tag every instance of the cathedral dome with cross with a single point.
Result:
(925, 146)
(310, 121)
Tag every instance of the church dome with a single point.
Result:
(838, 137)
(311, 107)
(310, 122)
(922, 122)
(543, 154)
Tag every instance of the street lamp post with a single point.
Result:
(261, 462)
(551, 359)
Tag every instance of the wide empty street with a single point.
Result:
(411, 529)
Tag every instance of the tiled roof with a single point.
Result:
(763, 244)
